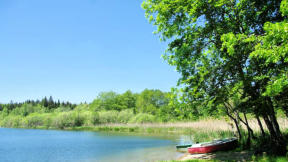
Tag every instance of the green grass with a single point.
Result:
(194, 160)
(269, 159)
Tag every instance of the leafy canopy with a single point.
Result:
(224, 47)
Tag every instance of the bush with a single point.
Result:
(108, 116)
(12, 121)
(125, 115)
(63, 109)
(82, 107)
(94, 118)
(68, 119)
(143, 118)
(34, 120)
(47, 119)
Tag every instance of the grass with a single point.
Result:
(269, 158)
(254, 158)
(194, 160)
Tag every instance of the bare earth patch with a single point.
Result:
(221, 156)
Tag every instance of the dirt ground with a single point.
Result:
(221, 156)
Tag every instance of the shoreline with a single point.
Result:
(221, 156)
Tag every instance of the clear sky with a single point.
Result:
(74, 49)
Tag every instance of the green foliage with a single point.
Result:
(12, 121)
(113, 101)
(146, 107)
(34, 120)
(211, 43)
(125, 115)
(206, 135)
(108, 116)
(231, 54)
(266, 158)
(284, 7)
(143, 118)
(63, 109)
(68, 119)
(27, 109)
(94, 117)
(149, 101)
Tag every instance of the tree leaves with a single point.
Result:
(218, 45)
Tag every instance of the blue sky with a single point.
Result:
(74, 49)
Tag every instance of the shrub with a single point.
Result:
(95, 118)
(68, 119)
(33, 121)
(125, 115)
(11, 121)
(143, 118)
(47, 119)
(108, 116)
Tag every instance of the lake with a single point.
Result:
(34, 145)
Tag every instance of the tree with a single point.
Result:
(127, 100)
(51, 103)
(150, 101)
(224, 45)
(108, 101)
(44, 102)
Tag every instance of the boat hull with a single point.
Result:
(183, 146)
(213, 147)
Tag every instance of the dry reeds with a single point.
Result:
(207, 125)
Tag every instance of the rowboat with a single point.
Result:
(183, 146)
(215, 145)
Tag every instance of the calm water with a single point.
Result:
(49, 145)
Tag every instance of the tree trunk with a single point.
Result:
(238, 128)
(250, 132)
(273, 118)
(234, 120)
(260, 125)
(278, 145)
(247, 125)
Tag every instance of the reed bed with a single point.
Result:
(203, 125)
(203, 130)
(283, 124)
(210, 124)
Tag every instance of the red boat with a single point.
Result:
(216, 145)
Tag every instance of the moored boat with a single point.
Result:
(183, 146)
(216, 145)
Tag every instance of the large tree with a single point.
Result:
(228, 48)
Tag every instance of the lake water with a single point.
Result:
(80, 146)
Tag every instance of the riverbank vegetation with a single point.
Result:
(125, 113)
(232, 57)
(149, 106)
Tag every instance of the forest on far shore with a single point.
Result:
(109, 107)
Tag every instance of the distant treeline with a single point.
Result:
(45, 102)
(108, 107)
